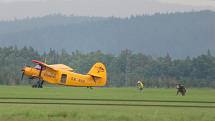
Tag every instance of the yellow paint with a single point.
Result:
(64, 75)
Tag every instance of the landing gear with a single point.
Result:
(38, 84)
(90, 87)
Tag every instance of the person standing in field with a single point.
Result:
(181, 89)
(140, 85)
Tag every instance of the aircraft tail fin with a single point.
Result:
(98, 72)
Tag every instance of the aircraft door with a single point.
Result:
(63, 78)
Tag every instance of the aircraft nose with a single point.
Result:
(27, 71)
(23, 69)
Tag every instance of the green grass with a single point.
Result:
(30, 112)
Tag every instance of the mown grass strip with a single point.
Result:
(112, 100)
(104, 104)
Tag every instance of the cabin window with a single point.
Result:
(63, 78)
(38, 67)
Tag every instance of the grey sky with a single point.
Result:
(10, 9)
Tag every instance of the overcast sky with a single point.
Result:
(10, 9)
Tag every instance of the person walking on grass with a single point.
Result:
(181, 89)
(140, 85)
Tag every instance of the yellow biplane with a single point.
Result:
(64, 75)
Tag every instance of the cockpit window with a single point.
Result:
(38, 67)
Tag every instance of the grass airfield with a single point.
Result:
(23, 103)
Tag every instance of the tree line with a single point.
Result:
(171, 32)
(124, 69)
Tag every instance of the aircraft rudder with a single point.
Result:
(98, 71)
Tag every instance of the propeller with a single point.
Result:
(22, 76)
(23, 72)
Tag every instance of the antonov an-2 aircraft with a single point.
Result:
(64, 75)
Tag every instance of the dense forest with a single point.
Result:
(124, 69)
(179, 34)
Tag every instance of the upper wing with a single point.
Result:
(54, 67)
(39, 63)
(61, 67)
(43, 64)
